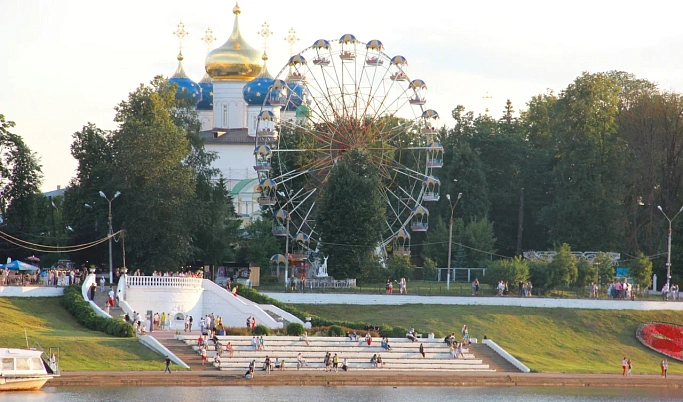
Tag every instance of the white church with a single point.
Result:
(228, 99)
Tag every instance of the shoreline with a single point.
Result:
(393, 379)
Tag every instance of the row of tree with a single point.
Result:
(587, 166)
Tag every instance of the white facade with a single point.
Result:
(184, 296)
(229, 107)
(235, 161)
(206, 119)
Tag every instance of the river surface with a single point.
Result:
(342, 394)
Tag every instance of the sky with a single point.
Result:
(69, 62)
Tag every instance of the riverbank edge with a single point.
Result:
(393, 379)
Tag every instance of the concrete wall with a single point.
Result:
(233, 310)
(30, 291)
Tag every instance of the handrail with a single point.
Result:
(163, 281)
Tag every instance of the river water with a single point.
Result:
(343, 394)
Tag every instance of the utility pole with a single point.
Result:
(111, 235)
(520, 223)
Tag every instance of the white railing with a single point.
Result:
(163, 281)
(89, 280)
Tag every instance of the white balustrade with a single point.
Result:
(164, 281)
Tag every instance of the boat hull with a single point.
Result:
(22, 384)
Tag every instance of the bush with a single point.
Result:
(392, 332)
(510, 271)
(429, 270)
(336, 330)
(260, 330)
(295, 329)
(80, 309)
(269, 280)
(237, 331)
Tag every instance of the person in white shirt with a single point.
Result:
(102, 281)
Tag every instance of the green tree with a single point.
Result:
(259, 245)
(399, 267)
(586, 273)
(156, 184)
(351, 225)
(20, 178)
(478, 236)
(640, 270)
(563, 267)
(429, 271)
(606, 271)
(509, 270)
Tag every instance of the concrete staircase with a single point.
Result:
(404, 355)
(494, 360)
(101, 300)
(185, 353)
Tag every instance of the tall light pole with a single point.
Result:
(450, 237)
(668, 250)
(111, 233)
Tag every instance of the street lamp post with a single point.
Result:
(111, 234)
(450, 238)
(668, 250)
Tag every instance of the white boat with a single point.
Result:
(22, 370)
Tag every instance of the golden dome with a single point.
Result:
(235, 60)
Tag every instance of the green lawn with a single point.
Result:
(47, 323)
(546, 340)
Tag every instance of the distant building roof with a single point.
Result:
(240, 186)
(227, 136)
(55, 193)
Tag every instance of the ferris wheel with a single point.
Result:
(334, 96)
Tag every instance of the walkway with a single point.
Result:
(363, 299)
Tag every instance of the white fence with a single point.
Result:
(164, 281)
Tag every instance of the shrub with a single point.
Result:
(269, 280)
(392, 332)
(295, 329)
(510, 271)
(237, 331)
(429, 270)
(260, 330)
(80, 309)
(336, 330)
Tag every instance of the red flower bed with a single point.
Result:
(663, 338)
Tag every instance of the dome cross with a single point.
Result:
(265, 33)
(291, 39)
(208, 38)
(181, 33)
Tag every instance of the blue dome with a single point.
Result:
(295, 95)
(206, 103)
(256, 90)
(187, 89)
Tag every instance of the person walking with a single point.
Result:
(629, 364)
(102, 282)
(665, 368)
(168, 365)
(623, 366)
(422, 350)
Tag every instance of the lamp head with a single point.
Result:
(102, 194)
(118, 193)
(659, 207)
(459, 195)
(448, 196)
(680, 209)
(87, 205)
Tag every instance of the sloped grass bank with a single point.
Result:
(49, 324)
(546, 340)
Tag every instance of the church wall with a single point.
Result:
(235, 161)
(229, 107)
(206, 119)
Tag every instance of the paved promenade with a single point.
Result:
(365, 299)
(408, 378)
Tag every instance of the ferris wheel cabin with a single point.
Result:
(300, 246)
(348, 48)
(280, 223)
(420, 219)
(420, 89)
(402, 242)
(431, 191)
(262, 154)
(374, 48)
(268, 192)
(434, 155)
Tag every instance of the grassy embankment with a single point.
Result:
(546, 340)
(47, 323)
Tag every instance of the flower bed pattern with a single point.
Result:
(662, 337)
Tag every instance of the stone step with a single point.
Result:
(256, 354)
(482, 368)
(186, 354)
(494, 360)
(225, 362)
